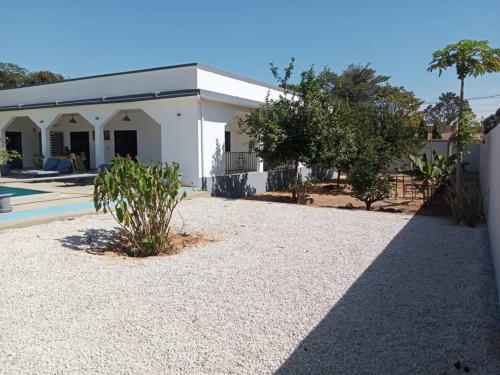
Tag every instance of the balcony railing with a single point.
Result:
(240, 162)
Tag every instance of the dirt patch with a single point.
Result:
(328, 195)
(114, 243)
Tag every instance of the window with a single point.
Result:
(227, 141)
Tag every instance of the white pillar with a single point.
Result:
(164, 141)
(98, 120)
(45, 136)
(99, 145)
(260, 165)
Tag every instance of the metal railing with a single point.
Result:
(240, 162)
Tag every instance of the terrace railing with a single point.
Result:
(240, 162)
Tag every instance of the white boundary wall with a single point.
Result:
(490, 187)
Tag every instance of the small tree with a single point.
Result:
(142, 199)
(471, 58)
(284, 129)
(369, 183)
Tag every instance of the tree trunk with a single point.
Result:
(368, 206)
(296, 175)
(459, 147)
(339, 172)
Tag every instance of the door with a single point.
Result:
(15, 143)
(126, 143)
(80, 143)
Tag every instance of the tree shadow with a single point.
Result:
(425, 303)
(218, 168)
(232, 186)
(279, 179)
(94, 241)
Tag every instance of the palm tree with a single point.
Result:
(470, 58)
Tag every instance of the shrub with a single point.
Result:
(368, 183)
(300, 189)
(465, 204)
(144, 198)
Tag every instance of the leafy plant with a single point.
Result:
(471, 58)
(142, 199)
(7, 155)
(368, 183)
(432, 173)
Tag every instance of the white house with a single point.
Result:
(187, 113)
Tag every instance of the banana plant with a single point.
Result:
(432, 173)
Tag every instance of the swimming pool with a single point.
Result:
(18, 192)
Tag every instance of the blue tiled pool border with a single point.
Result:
(55, 210)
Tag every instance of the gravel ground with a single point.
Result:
(284, 288)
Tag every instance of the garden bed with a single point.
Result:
(327, 194)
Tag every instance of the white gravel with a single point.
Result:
(285, 288)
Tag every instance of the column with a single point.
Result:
(260, 164)
(99, 144)
(45, 136)
(164, 141)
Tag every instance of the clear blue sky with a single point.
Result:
(79, 38)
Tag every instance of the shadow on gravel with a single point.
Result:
(93, 240)
(426, 305)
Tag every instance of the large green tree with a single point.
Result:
(444, 113)
(12, 75)
(470, 58)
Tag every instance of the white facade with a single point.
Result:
(178, 113)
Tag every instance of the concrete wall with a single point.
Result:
(490, 187)
(247, 184)
(239, 142)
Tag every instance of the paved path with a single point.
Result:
(284, 288)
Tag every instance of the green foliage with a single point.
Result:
(369, 183)
(284, 129)
(330, 119)
(12, 75)
(467, 132)
(142, 199)
(446, 111)
(491, 121)
(7, 155)
(469, 57)
(432, 173)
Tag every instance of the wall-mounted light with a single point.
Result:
(72, 120)
(126, 118)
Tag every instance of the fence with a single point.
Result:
(240, 162)
(490, 187)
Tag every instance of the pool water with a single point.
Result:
(18, 192)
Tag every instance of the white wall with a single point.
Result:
(490, 187)
(212, 80)
(239, 142)
(29, 138)
(215, 118)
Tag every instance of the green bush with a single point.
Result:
(142, 199)
(368, 184)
